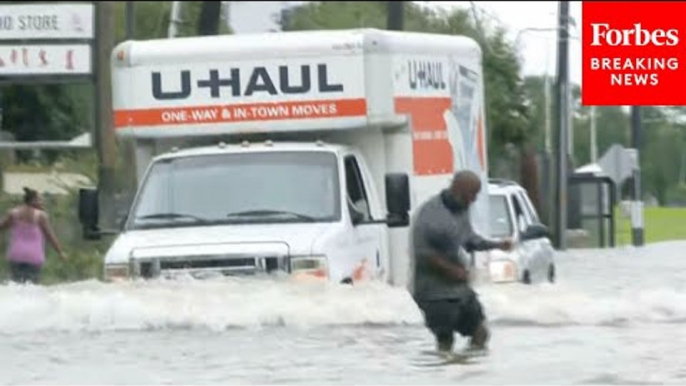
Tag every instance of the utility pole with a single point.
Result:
(174, 20)
(594, 138)
(547, 204)
(130, 20)
(395, 20)
(637, 205)
(563, 129)
(208, 21)
(104, 125)
(226, 13)
(570, 125)
(548, 131)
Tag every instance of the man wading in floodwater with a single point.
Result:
(441, 280)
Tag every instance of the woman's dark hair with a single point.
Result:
(29, 195)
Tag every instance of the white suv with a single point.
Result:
(512, 215)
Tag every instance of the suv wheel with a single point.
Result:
(526, 279)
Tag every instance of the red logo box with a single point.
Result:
(633, 53)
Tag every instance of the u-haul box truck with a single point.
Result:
(303, 153)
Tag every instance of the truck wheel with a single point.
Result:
(526, 279)
(551, 273)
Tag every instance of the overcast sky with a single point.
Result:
(538, 49)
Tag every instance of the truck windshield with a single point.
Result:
(501, 226)
(268, 187)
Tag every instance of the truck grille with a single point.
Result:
(213, 263)
(226, 265)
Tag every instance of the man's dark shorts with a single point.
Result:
(24, 272)
(446, 316)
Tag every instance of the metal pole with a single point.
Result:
(613, 201)
(601, 214)
(2, 163)
(563, 121)
(227, 13)
(130, 20)
(549, 175)
(174, 19)
(208, 20)
(546, 94)
(395, 20)
(548, 131)
(594, 138)
(570, 126)
(106, 141)
(637, 205)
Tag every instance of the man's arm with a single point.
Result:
(476, 242)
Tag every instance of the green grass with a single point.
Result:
(660, 224)
(86, 257)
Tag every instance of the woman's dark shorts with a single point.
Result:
(24, 272)
(446, 316)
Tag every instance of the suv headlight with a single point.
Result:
(503, 271)
(315, 266)
(115, 272)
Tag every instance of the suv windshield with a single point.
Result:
(263, 188)
(501, 226)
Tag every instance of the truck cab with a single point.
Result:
(301, 154)
(259, 208)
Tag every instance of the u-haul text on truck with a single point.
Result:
(301, 153)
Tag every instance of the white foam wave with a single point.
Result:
(221, 304)
(244, 303)
(564, 305)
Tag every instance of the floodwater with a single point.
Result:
(613, 317)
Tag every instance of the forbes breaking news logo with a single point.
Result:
(639, 71)
(629, 61)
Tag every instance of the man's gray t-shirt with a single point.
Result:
(437, 229)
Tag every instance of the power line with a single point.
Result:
(487, 13)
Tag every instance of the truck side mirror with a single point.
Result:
(398, 199)
(89, 213)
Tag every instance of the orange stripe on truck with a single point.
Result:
(241, 112)
(430, 147)
(426, 113)
(481, 143)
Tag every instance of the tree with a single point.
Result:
(612, 122)
(661, 153)
(534, 88)
(48, 112)
(63, 111)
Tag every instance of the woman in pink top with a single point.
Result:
(29, 225)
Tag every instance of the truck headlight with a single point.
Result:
(114, 272)
(315, 266)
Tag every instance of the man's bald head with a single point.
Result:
(466, 186)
